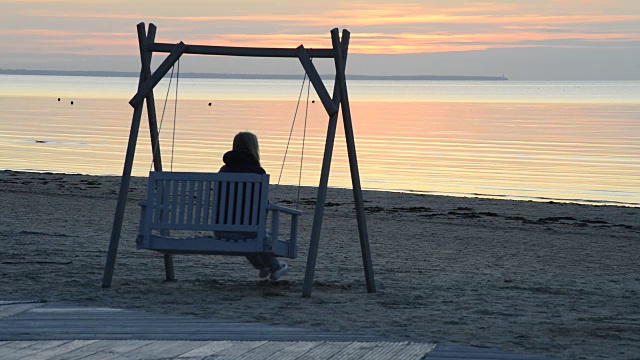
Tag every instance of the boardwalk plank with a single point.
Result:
(60, 350)
(32, 348)
(11, 346)
(295, 350)
(264, 351)
(102, 349)
(36, 330)
(237, 349)
(207, 349)
(403, 350)
(355, 350)
(13, 309)
(75, 308)
(159, 349)
(60, 322)
(449, 351)
(182, 348)
(322, 351)
(385, 350)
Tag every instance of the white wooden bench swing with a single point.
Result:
(190, 201)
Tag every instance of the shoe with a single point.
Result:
(264, 272)
(278, 273)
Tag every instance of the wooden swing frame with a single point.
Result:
(148, 81)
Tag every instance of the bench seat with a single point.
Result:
(184, 211)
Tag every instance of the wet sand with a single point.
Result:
(552, 279)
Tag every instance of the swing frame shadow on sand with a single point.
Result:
(148, 81)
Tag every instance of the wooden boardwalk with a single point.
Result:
(36, 330)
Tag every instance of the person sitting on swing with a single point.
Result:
(245, 158)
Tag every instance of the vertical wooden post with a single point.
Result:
(145, 56)
(116, 230)
(353, 159)
(321, 198)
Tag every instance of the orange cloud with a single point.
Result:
(366, 17)
(59, 33)
(372, 43)
(69, 42)
(377, 28)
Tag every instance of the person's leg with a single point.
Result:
(257, 261)
(277, 268)
(270, 261)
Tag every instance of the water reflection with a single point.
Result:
(519, 150)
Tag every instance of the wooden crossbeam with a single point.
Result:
(241, 51)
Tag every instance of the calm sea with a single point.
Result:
(564, 141)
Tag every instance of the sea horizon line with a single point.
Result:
(250, 76)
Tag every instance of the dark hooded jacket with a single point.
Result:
(240, 162)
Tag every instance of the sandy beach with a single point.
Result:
(553, 279)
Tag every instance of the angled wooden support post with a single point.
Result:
(353, 159)
(316, 81)
(321, 198)
(122, 197)
(145, 57)
(160, 72)
(116, 230)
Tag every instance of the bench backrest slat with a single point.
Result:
(237, 212)
(156, 214)
(175, 200)
(189, 209)
(207, 201)
(256, 205)
(198, 202)
(183, 198)
(247, 204)
(222, 203)
(230, 202)
(207, 197)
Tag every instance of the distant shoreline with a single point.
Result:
(249, 76)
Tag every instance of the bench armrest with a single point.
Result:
(275, 223)
(142, 224)
(285, 210)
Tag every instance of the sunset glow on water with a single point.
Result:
(577, 150)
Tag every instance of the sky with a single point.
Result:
(520, 39)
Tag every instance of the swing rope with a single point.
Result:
(295, 115)
(175, 114)
(304, 137)
(164, 108)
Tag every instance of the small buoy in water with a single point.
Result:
(209, 104)
(71, 102)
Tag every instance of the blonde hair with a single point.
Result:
(247, 142)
